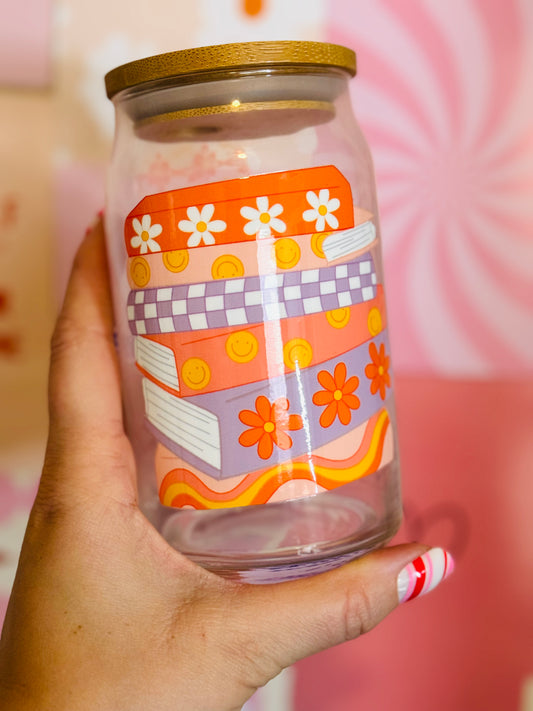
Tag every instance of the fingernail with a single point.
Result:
(93, 224)
(424, 574)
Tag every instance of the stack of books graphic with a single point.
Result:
(259, 326)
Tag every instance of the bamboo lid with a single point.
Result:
(202, 64)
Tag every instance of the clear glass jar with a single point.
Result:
(244, 248)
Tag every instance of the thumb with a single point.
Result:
(302, 617)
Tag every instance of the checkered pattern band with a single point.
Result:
(242, 301)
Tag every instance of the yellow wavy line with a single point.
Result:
(324, 475)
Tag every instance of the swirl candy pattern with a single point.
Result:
(260, 330)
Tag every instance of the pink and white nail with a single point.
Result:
(424, 574)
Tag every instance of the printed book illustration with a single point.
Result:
(259, 327)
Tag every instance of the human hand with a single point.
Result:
(104, 614)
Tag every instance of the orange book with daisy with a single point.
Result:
(288, 203)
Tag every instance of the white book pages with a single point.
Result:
(158, 361)
(189, 426)
(346, 242)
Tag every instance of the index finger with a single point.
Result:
(85, 405)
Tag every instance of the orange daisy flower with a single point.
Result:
(337, 395)
(378, 370)
(268, 425)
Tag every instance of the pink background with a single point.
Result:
(445, 97)
(26, 43)
(466, 453)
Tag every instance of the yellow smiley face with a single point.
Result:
(286, 253)
(176, 260)
(375, 321)
(227, 266)
(242, 346)
(195, 373)
(297, 352)
(338, 318)
(316, 243)
(139, 272)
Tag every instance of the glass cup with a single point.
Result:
(244, 248)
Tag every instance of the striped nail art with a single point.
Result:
(424, 574)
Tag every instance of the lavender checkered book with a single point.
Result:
(248, 300)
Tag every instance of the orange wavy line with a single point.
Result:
(182, 474)
(181, 487)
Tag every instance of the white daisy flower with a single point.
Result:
(201, 225)
(145, 234)
(263, 220)
(322, 207)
